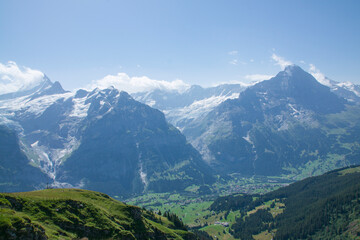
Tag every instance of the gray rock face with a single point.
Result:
(16, 173)
(102, 140)
(278, 126)
(129, 147)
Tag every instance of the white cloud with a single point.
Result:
(241, 83)
(233, 53)
(258, 77)
(124, 82)
(319, 76)
(234, 62)
(14, 78)
(280, 61)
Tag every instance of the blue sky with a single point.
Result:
(200, 42)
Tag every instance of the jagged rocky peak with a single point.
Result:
(41, 88)
(109, 95)
(291, 77)
(49, 88)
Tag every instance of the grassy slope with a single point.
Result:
(73, 213)
(332, 198)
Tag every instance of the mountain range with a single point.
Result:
(101, 140)
(106, 140)
(183, 108)
(289, 124)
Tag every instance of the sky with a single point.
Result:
(174, 43)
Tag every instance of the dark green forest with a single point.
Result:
(322, 207)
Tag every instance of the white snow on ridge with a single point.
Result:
(247, 138)
(36, 106)
(151, 103)
(349, 86)
(294, 109)
(198, 108)
(59, 153)
(80, 108)
(46, 156)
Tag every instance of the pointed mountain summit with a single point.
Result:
(277, 126)
(48, 88)
(43, 87)
(301, 88)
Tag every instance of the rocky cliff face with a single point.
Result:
(16, 172)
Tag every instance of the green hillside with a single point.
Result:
(75, 214)
(323, 207)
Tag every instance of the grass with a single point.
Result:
(187, 208)
(74, 213)
(317, 167)
(218, 232)
(276, 210)
(350, 170)
(266, 235)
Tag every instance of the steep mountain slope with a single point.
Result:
(128, 147)
(16, 173)
(107, 140)
(322, 207)
(288, 124)
(47, 122)
(75, 214)
(183, 108)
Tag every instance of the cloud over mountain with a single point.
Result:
(280, 61)
(14, 78)
(124, 82)
(319, 75)
(258, 77)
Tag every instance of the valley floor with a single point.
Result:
(192, 206)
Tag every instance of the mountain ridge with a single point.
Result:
(55, 125)
(269, 126)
